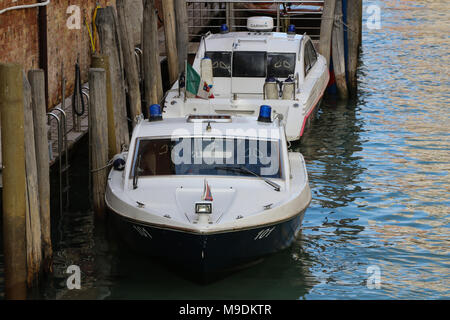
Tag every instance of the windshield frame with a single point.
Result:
(281, 165)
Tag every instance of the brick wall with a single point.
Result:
(65, 45)
(19, 34)
(19, 40)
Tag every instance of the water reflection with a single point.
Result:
(378, 169)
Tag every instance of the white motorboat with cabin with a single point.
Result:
(237, 72)
(208, 193)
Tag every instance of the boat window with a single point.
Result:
(249, 64)
(221, 62)
(310, 56)
(280, 65)
(203, 156)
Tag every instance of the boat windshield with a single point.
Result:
(206, 156)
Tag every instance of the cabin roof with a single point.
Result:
(254, 41)
(246, 127)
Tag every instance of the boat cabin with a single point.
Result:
(240, 71)
(242, 62)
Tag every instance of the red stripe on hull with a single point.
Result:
(310, 111)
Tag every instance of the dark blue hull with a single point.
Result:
(207, 254)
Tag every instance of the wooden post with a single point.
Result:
(33, 217)
(171, 40)
(110, 46)
(150, 48)
(129, 62)
(182, 32)
(37, 81)
(232, 18)
(99, 137)
(338, 51)
(353, 35)
(360, 7)
(157, 59)
(326, 29)
(102, 62)
(14, 183)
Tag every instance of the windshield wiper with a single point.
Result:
(274, 185)
(136, 173)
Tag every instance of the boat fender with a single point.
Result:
(207, 77)
(288, 89)
(271, 88)
(119, 162)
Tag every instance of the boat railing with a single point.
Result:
(211, 15)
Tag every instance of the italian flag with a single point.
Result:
(196, 85)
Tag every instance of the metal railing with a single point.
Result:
(209, 15)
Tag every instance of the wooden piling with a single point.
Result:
(129, 62)
(157, 59)
(37, 82)
(14, 181)
(102, 62)
(150, 47)
(232, 24)
(353, 36)
(182, 32)
(326, 29)
(33, 216)
(171, 39)
(99, 138)
(110, 46)
(338, 52)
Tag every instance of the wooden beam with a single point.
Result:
(110, 45)
(37, 82)
(353, 35)
(33, 217)
(171, 39)
(43, 45)
(99, 134)
(14, 182)
(129, 63)
(338, 51)
(182, 32)
(102, 62)
(326, 29)
(153, 91)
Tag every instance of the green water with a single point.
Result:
(379, 174)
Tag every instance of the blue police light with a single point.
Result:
(265, 113)
(155, 113)
(224, 28)
(291, 29)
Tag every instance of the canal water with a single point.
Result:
(378, 225)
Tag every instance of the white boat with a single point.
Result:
(209, 193)
(244, 70)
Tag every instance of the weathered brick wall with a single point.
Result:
(19, 38)
(65, 45)
(19, 34)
